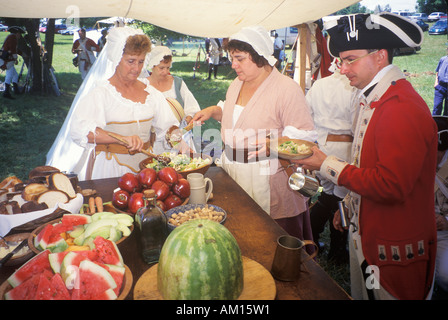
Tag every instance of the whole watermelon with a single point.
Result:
(200, 260)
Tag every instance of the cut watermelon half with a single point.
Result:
(108, 252)
(28, 288)
(34, 266)
(75, 219)
(94, 280)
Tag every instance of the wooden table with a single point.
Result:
(255, 231)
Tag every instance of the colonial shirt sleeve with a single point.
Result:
(89, 115)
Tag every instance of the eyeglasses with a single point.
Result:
(348, 62)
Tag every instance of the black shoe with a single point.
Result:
(7, 93)
(17, 89)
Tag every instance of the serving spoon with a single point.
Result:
(163, 159)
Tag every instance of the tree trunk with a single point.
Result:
(49, 41)
(32, 27)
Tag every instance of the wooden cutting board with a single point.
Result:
(258, 283)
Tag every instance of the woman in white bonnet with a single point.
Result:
(122, 103)
(182, 102)
(259, 102)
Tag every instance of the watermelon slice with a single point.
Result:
(109, 294)
(28, 288)
(94, 280)
(52, 289)
(58, 245)
(59, 228)
(56, 260)
(117, 272)
(34, 266)
(108, 252)
(70, 264)
(75, 219)
(43, 238)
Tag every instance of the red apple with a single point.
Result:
(147, 177)
(168, 175)
(162, 189)
(182, 188)
(120, 199)
(172, 201)
(129, 182)
(161, 205)
(136, 202)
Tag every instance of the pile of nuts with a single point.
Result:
(207, 212)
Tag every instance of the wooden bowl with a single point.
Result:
(18, 259)
(203, 169)
(125, 287)
(36, 231)
(275, 143)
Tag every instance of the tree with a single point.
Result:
(38, 57)
(428, 6)
(354, 8)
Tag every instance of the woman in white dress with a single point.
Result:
(182, 102)
(121, 102)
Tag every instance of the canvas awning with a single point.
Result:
(202, 18)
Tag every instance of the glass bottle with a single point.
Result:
(153, 227)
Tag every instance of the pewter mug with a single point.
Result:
(287, 262)
(305, 184)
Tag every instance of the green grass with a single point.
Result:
(30, 123)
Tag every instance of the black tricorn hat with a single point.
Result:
(372, 31)
(16, 29)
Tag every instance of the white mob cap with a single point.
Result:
(116, 40)
(260, 39)
(157, 54)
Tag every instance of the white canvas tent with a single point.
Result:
(202, 18)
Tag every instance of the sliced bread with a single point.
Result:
(53, 197)
(59, 181)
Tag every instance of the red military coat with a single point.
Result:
(395, 181)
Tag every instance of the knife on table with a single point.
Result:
(13, 252)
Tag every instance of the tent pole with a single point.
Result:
(300, 66)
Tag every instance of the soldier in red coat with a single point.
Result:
(8, 58)
(84, 48)
(392, 234)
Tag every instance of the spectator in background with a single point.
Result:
(214, 52)
(102, 40)
(278, 47)
(440, 87)
(84, 48)
(8, 59)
